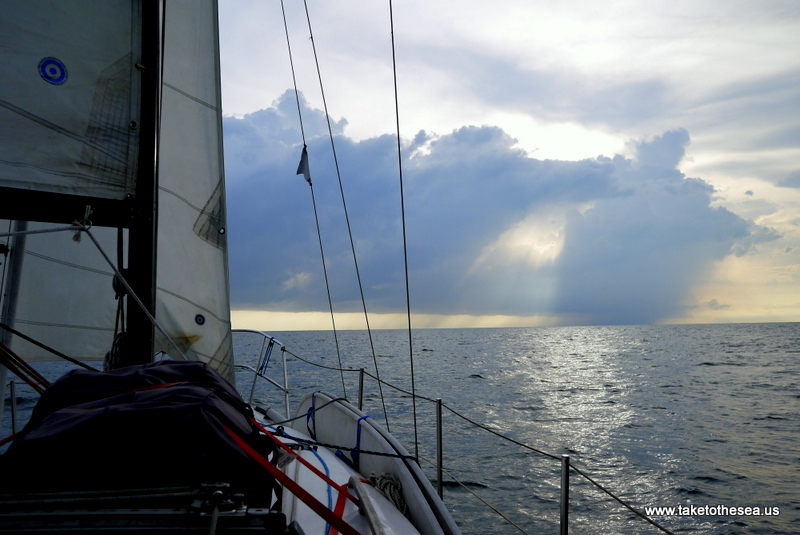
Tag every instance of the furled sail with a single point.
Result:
(69, 120)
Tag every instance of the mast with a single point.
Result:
(141, 271)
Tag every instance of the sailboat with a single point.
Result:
(112, 205)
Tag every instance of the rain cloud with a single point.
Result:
(491, 230)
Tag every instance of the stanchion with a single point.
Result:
(285, 382)
(361, 390)
(13, 395)
(564, 494)
(439, 483)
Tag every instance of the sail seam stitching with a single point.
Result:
(173, 294)
(63, 325)
(61, 130)
(187, 95)
(68, 264)
(189, 204)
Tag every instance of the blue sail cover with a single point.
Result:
(158, 425)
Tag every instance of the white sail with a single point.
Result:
(69, 96)
(69, 112)
(192, 297)
(66, 299)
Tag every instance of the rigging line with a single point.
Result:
(6, 249)
(328, 290)
(346, 217)
(294, 78)
(313, 199)
(46, 348)
(509, 439)
(131, 293)
(403, 222)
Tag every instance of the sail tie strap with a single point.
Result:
(311, 420)
(158, 386)
(355, 454)
(341, 501)
(293, 487)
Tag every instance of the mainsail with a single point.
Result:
(71, 136)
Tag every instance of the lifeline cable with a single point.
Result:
(509, 439)
(313, 198)
(639, 513)
(487, 504)
(346, 217)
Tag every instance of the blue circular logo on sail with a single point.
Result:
(200, 319)
(53, 71)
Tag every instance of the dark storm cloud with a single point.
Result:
(637, 234)
(634, 259)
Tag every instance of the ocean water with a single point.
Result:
(704, 419)
(689, 417)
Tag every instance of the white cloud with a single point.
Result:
(297, 281)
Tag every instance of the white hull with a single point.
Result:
(336, 422)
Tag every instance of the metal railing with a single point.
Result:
(566, 465)
(267, 344)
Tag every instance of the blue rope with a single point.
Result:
(327, 473)
(265, 361)
(330, 494)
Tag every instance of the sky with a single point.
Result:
(564, 163)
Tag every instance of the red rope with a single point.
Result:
(292, 486)
(22, 369)
(9, 438)
(305, 462)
